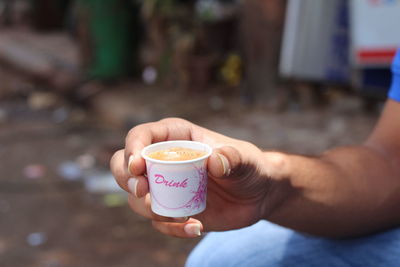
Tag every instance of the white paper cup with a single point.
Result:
(177, 188)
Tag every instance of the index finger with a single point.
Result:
(149, 133)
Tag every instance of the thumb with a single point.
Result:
(223, 160)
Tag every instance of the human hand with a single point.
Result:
(237, 184)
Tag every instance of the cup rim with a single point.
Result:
(170, 162)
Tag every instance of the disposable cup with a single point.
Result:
(177, 188)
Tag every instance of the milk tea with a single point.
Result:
(177, 154)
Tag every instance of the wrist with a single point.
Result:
(277, 170)
(276, 165)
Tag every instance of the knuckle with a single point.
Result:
(163, 228)
(114, 155)
(234, 155)
(137, 131)
(114, 163)
(278, 161)
(130, 133)
(121, 184)
(118, 174)
(156, 225)
(173, 120)
(133, 131)
(137, 205)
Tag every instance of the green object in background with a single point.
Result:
(114, 200)
(114, 37)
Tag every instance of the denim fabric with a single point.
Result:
(266, 244)
(394, 92)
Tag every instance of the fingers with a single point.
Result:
(223, 160)
(142, 206)
(146, 134)
(178, 227)
(119, 169)
(135, 185)
(189, 229)
(129, 167)
(138, 186)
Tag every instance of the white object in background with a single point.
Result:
(315, 41)
(375, 31)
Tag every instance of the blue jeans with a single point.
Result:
(266, 244)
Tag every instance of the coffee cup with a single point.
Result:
(177, 176)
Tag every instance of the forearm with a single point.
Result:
(346, 191)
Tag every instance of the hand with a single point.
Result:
(237, 184)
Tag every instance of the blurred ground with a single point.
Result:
(48, 220)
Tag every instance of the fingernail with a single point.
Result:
(225, 164)
(132, 186)
(130, 160)
(192, 229)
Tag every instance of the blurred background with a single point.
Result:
(76, 75)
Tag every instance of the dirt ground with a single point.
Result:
(47, 220)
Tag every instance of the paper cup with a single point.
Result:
(177, 188)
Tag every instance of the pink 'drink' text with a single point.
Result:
(160, 179)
